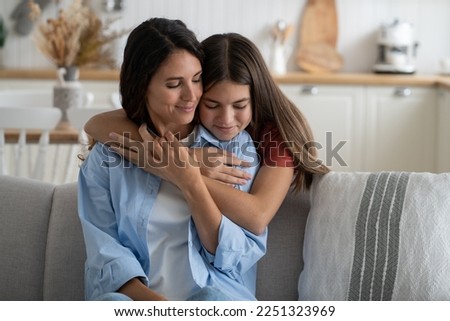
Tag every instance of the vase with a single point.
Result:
(70, 73)
(278, 59)
(67, 93)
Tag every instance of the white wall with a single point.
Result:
(359, 21)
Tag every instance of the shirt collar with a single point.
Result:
(205, 135)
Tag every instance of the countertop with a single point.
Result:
(71, 136)
(289, 78)
(39, 74)
(365, 79)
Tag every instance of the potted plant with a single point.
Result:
(76, 38)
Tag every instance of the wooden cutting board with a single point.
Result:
(318, 37)
(319, 23)
(319, 58)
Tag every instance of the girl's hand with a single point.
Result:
(217, 164)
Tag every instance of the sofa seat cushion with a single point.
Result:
(378, 236)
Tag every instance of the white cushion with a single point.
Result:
(378, 236)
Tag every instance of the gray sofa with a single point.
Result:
(353, 236)
(42, 249)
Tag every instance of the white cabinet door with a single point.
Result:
(400, 128)
(335, 114)
(443, 132)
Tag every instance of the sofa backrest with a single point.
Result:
(41, 242)
(65, 256)
(42, 247)
(279, 269)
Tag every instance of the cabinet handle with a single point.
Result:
(310, 90)
(402, 92)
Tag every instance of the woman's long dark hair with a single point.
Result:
(148, 45)
(235, 58)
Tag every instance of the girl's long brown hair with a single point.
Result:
(233, 57)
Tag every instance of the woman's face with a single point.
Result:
(225, 109)
(173, 93)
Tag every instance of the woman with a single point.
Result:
(284, 138)
(147, 239)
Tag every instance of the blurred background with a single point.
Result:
(358, 24)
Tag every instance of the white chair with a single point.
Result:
(26, 97)
(43, 97)
(77, 118)
(25, 119)
(38, 97)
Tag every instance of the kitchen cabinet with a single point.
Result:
(336, 118)
(361, 122)
(400, 128)
(443, 131)
(383, 127)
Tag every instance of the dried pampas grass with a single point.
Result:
(77, 37)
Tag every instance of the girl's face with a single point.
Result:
(173, 93)
(225, 109)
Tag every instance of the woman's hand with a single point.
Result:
(163, 156)
(217, 164)
(178, 166)
(214, 163)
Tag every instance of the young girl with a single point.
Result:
(281, 132)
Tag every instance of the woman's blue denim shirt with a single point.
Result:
(115, 199)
